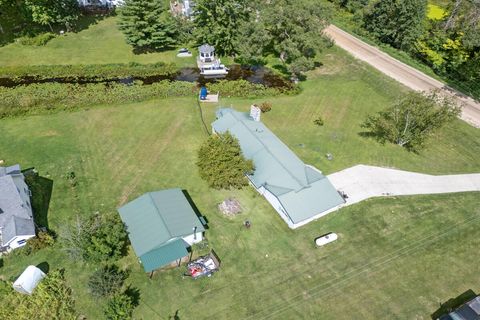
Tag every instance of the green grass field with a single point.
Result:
(396, 258)
(101, 43)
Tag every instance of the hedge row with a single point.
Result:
(103, 71)
(48, 97)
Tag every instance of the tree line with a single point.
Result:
(27, 17)
(245, 29)
(450, 44)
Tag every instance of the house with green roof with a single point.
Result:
(162, 225)
(300, 193)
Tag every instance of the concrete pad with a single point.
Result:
(212, 98)
(362, 182)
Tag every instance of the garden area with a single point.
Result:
(396, 258)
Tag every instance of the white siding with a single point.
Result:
(14, 243)
(273, 200)
(191, 238)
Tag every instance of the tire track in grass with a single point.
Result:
(152, 154)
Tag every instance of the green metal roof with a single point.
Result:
(303, 191)
(164, 255)
(156, 218)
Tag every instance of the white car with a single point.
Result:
(325, 239)
(183, 53)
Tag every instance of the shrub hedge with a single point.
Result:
(40, 40)
(49, 97)
(92, 71)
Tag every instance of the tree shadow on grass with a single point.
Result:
(86, 20)
(41, 189)
(134, 294)
(454, 303)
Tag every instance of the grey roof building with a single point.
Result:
(299, 193)
(16, 217)
(468, 311)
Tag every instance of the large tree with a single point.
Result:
(290, 30)
(49, 12)
(217, 22)
(396, 22)
(464, 17)
(411, 120)
(222, 164)
(147, 24)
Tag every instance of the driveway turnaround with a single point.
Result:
(401, 72)
(362, 182)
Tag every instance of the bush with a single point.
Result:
(40, 40)
(244, 89)
(106, 281)
(265, 106)
(52, 299)
(119, 307)
(42, 240)
(99, 238)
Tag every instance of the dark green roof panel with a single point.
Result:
(164, 255)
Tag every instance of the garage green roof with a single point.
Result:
(164, 255)
(302, 190)
(154, 220)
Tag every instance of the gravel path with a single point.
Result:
(401, 72)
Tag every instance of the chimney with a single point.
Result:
(255, 112)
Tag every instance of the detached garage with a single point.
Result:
(162, 225)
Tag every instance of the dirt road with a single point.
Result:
(401, 72)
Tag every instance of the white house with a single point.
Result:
(16, 216)
(298, 192)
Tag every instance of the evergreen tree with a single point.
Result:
(396, 22)
(106, 281)
(222, 164)
(147, 24)
(217, 22)
(119, 307)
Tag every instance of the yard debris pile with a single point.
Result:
(230, 207)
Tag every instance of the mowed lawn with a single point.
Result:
(100, 43)
(397, 258)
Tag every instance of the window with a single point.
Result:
(20, 242)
